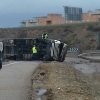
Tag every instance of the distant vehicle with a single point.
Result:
(1, 51)
(21, 49)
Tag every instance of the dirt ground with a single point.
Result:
(60, 81)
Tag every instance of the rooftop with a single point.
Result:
(32, 20)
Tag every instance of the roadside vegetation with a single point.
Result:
(82, 35)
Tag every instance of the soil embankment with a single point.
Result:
(59, 81)
(83, 35)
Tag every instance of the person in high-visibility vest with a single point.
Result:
(44, 36)
(35, 55)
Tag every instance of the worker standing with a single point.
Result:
(44, 36)
(35, 55)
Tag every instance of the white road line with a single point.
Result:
(10, 64)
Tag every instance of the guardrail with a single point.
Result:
(77, 53)
(88, 51)
(92, 55)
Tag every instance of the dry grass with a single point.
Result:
(75, 35)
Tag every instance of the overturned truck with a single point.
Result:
(21, 49)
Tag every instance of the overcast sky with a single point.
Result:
(12, 12)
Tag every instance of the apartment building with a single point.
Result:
(73, 14)
(50, 19)
(91, 16)
(29, 23)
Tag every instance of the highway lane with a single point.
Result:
(15, 79)
(85, 66)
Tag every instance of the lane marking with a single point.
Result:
(10, 64)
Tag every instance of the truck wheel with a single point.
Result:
(45, 58)
(62, 59)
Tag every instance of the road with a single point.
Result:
(15, 80)
(85, 66)
(15, 77)
(94, 57)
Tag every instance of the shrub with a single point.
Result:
(90, 27)
(96, 29)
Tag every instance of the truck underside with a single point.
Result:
(21, 49)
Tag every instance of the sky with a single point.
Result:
(12, 12)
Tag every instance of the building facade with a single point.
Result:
(50, 19)
(29, 23)
(91, 16)
(73, 14)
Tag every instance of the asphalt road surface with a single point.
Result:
(85, 66)
(15, 80)
(15, 77)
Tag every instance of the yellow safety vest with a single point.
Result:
(34, 50)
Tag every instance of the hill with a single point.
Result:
(83, 35)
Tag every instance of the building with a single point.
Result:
(73, 14)
(50, 19)
(91, 16)
(29, 23)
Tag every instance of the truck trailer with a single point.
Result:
(21, 49)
